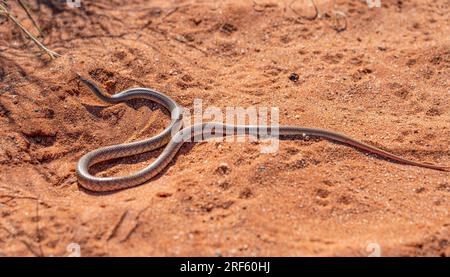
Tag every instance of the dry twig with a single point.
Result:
(4, 10)
(27, 11)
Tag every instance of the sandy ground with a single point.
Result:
(383, 80)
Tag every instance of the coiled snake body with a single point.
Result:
(174, 143)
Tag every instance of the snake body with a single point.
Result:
(174, 142)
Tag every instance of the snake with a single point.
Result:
(175, 135)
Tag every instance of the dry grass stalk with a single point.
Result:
(4, 10)
(27, 11)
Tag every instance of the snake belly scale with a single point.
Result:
(174, 142)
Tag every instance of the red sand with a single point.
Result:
(383, 80)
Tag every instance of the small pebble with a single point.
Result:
(419, 190)
(163, 194)
(293, 77)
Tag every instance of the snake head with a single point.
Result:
(91, 85)
(81, 78)
(96, 90)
